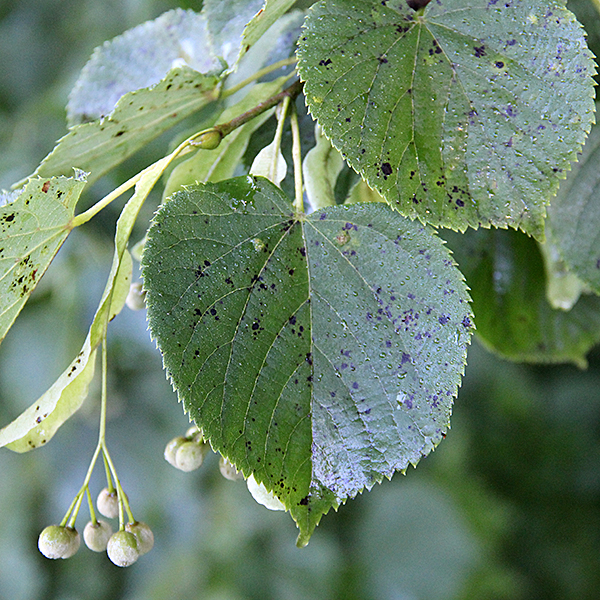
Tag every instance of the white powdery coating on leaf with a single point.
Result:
(140, 58)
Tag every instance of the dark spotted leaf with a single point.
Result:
(33, 226)
(319, 353)
(36, 425)
(505, 272)
(137, 118)
(464, 114)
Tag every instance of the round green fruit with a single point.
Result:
(96, 535)
(122, 548)
(56, 541)
(143, 535)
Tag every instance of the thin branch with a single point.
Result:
(290, 92)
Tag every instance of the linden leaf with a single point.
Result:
(574, 216)
(138, 118)
(140, 58)
(317, 353)
(460, 114)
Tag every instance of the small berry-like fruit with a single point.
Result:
(143, 535)
(122, 548)
(263, 496)
(136, 299)
(172, 447)
(194, 433)
(190, 456)
(228, 470)
(58, 542)
(108, 503)
(96, 535)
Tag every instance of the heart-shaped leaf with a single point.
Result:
(319, 353)
(458, 114)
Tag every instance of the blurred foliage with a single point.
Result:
(508, 507)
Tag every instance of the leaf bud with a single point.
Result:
(143, 535)
(96, 535)
(108, 503)
(172, 447)
(190, 456)
(228, 470)
(56, 541)
(208, 140)
(122, 548)
(263, 496)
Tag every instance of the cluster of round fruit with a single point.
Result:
(187, 452)
(123, 547)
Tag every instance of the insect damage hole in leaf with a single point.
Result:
(460, 116)
(319, 353)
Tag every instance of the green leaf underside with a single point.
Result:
(320, 353)
(138, 118)
(140, 58)
(466, 115)
(271, 11)
(32, 229)
(242, 24)
(574, 215)
(505, 272)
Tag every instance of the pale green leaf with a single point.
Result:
(574, 215)
(269, 163)
(269, 14)
(138, 118)
(37, 424)
(121, 285)
(236, 25)
(140, 58)
(33, 226)
(361, 192)
(320, 168)
(318, 353)
(563, 287)
(505, 272)
(464, 114)
(221, 163)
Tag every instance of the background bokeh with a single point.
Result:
(508, 507)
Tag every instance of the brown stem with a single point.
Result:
(292, 92)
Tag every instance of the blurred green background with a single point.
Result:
(508, 507)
